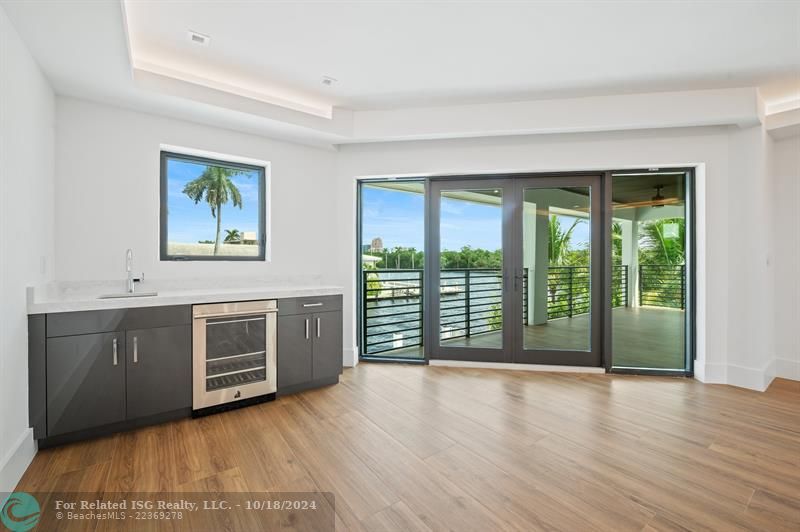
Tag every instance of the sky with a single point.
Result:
(191, 223)
(398, 218)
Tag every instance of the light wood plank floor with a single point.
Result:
(424, 448)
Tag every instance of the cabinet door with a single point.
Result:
(85, 381)
(159, 365)
(327, 345)
(294, 349)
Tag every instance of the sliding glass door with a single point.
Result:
(558, 268)
(651, 258)
(572, 269)
(517, 274)
(470, 251)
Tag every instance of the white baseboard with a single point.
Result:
(17, 460)
(712, 374)
(751, 378)
(350, 357)
(786, 368)
(518, 367)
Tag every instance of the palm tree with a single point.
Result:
(656, 247)
(216, 187)
(233, 235)
(616, 242)
(559, 243)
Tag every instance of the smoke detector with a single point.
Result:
(198, 38)
(327, 80)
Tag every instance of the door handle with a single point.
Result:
(114, 351)
(318, 327)
(306, 328)
(305, 305)
(135, 350)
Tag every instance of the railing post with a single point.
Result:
(525, 285)
(641, 277)
(422, 309)
(466, 301)
(683, 287)
(625, 271)
(365, 284)
(570, 270)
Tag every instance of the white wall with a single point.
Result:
(705, 146)
(785, 213)
(26, 233)
(107, 195)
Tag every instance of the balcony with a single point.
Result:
(471, 311)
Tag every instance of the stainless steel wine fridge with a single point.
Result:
(234, 354)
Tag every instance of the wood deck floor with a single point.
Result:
(424, 448)
(643, 337)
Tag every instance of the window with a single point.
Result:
(211, 209)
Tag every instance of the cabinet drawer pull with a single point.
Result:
(306, 328)
(114, 350)
(318, 327)
(135, 350)
(305, 305)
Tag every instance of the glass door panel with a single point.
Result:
(469, 282)
(557, 281)
(649, 282)
(557, 249)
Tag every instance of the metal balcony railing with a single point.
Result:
(471, 302)
(662, 285)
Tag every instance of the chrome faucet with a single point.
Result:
(129, 284)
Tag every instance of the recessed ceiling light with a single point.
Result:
(327, 80)
(198, 38)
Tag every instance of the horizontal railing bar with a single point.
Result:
(393, 340)
(403, 305)
(398, 322)
(394, 314)
(393, 331)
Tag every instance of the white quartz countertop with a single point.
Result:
(71, 297)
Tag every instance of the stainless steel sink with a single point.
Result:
(126, 294)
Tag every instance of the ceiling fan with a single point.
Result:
(659, 200)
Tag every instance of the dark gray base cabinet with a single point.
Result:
(105, 368)
(159, 370)
(309, 343)
(85, 381)
(97, 372)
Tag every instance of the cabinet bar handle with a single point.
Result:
(306, 328)
(114, 350)
(318, 327)
(312, 305)
(135, 350)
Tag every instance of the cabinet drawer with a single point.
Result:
(99, 321)
(85, 322)
(309, 305)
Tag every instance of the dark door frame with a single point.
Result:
(690, 251)
(604, 216)
(433, 273)
(593, 357)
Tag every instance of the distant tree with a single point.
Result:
(559, 244)
(233, 235)
(616, 242)
(656, 247)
